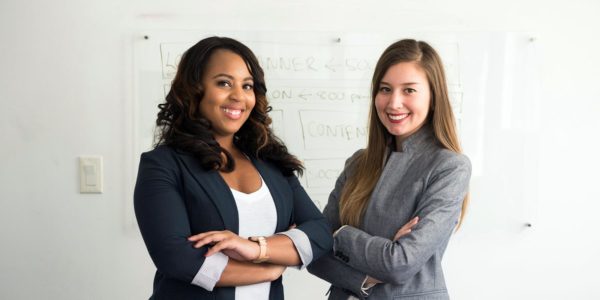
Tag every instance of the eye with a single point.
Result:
(224, 83)
(248, 86)
(410, 90)
(385, 90)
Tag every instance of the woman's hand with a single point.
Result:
(371, 282)
(227, 242)
(406, 229)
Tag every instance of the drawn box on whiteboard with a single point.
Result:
(277, 125)
(330, 129)
(322, 173)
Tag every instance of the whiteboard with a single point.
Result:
(318, 85)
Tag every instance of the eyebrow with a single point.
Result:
(404, 83)
(231, 77)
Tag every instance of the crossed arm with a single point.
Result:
(281, 252)
(239, 269)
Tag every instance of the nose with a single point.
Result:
(238, 93)
(396, 99)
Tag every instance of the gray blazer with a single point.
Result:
(423, 180)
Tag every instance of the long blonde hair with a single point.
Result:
(369, 164)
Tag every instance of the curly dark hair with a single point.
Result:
(180, 124)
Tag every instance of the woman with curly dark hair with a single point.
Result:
(217, 201)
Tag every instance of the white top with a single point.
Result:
(257, 217)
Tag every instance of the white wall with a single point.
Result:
(66, 90)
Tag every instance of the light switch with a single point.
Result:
(90, 174)
(89, 171)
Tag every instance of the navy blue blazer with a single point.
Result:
(175, 198)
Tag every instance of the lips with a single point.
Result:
(232, 113)
(397, 118)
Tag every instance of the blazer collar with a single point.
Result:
(415, 142)
(220, 194)
(217, 190)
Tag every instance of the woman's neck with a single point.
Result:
(398, 143)
(226, 142)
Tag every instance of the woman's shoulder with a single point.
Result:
(354, 157)
(449, 159)
(159, 150)
(161, 153)
(351, 162)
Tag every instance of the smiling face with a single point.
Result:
(403, 99)
(228, 94)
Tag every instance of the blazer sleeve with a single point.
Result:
(438, 211)
(309, 220)
(328, 268)
(162, 217)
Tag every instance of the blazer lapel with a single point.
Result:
(269, 176)
(216, 189)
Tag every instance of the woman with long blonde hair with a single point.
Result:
(397, 202)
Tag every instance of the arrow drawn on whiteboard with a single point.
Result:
(304, 96)
(354, 97)
(331, 66)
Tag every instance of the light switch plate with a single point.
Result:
(90, 174)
